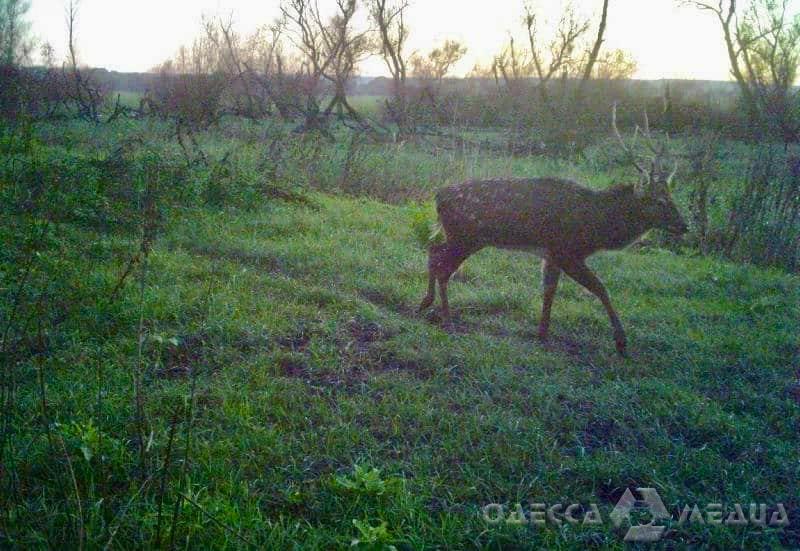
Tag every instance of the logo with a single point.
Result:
(651, 502)
(634, 513)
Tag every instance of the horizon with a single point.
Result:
(127, 38)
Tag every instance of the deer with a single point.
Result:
(558, 219)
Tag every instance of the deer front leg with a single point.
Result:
(551, 273)
(443, 297)
(578, 271)
(443, 260)
(431, 295)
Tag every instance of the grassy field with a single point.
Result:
(291, 397)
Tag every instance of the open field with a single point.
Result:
(290, 397)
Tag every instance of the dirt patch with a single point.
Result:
(363, 334)
(570, 346)
(292, 365)
(323, 382)
(457, 325)
(298, 341)
(362, 351)
(180, 356)
(390, 363)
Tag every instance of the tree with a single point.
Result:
(389, 17)
(615, 65)
(763, 45)
(330, 51)
(430, 70)
(564, 55)
(347, 49)
(588, 67)
(85, 94)
(435, 66)
(15, 42)
(557, 57)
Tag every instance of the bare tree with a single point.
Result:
(86, 95)
(347, 48)
(594, 53)
(564, 55)
(558, 56)
(511, 65)
(615, 65)
(330, 51)
(389, 18)
(15, 42)
(763, 44)
(269, 66)
(435, 66)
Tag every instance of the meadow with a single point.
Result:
(225, 354)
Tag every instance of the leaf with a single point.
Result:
(87, 453)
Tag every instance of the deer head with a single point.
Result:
(653, 190)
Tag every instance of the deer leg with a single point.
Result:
(438, 264)
(443, 281)
(583, 275)
(551, 273)
(430, 296)
(443, 261)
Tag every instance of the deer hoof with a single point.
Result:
(426, 303)
(544, 334)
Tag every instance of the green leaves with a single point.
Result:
(367, 482)
(427, 231)
(372, 537)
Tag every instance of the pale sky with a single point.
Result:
(667, 40)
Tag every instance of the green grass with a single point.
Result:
(313, 407)
(126, 98)
(311, 362)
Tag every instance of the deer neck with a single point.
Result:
(625, 222)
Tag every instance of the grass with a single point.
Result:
(127, 98)
(293, 399)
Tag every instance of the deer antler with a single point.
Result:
(672, 174)
(653, 176)
(622, 143)
(649, 138)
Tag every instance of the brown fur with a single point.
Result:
(560, 219)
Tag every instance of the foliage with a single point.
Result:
(192, 354)
(367, 482)
(427, 230)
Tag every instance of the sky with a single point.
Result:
(666, 39)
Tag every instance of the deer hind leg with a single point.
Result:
(578, 271)
(551, 273)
